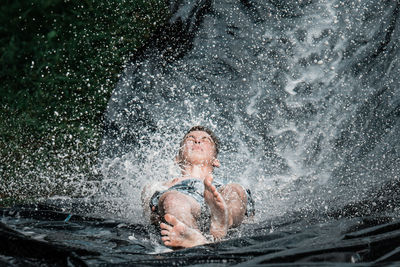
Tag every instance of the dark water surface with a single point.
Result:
(44, 235)
(305, 97)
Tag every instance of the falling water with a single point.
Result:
(302, 95)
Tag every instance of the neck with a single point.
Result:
(197, 170)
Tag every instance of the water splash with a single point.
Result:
(282, 85)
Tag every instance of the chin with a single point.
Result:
(197, 160)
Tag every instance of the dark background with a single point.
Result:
(59, 62)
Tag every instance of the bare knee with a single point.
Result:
(234, 191)
(174, 202)
(181, 206)
(236, 199)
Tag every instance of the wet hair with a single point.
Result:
(203, 129)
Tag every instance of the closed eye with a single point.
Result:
(208, 139)
(192, 138)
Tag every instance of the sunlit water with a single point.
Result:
(303, 97)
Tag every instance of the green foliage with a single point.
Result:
(59, 62)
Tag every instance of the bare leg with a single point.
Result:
(218, 208)
(177, 234)
(181, 206)
(236, 201)
(227, 206)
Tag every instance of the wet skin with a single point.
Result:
(181, 212)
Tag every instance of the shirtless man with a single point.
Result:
(186, 202)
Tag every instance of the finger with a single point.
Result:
(165, 238)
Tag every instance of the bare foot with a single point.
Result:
(179, 234)
(218, 209)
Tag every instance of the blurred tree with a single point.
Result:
(59, 62)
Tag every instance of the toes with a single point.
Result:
(165, 226)
(171, 219)
(164, 232)
(208, 181)
(210, 187)
(216, 193)
(165, 238)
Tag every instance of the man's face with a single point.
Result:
(198, 148)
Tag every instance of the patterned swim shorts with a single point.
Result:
(195, 188)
